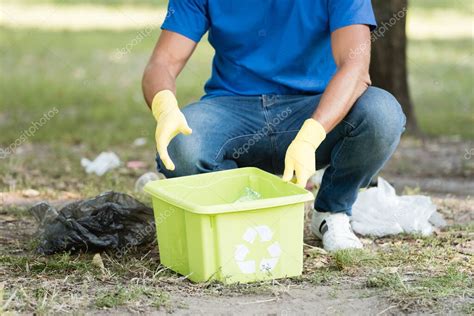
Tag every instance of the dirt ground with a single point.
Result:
(331, 285)
(439, 167)
(295, 300)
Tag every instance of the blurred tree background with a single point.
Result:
(389, 63)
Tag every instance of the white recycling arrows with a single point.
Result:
(268, 260)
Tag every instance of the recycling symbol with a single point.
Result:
(254, 237)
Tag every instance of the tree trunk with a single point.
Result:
(388, 67)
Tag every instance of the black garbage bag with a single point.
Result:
(111, 220)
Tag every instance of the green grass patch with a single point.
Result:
(344, 259)
(440, 76)
(428, 292)
(96, 91)
(61, 264)
(384, 280)
(324, 276)
(121, 296)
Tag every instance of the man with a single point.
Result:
(289, 92)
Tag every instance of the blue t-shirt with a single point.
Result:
(267, 46)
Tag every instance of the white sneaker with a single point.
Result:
(334, 230)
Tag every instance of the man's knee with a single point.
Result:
(379, 116)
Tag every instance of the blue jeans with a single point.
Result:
(238, 131)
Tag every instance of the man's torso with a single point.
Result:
(267, 46)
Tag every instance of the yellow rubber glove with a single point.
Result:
(300, 156)
(170, 122)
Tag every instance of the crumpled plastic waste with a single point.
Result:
(145, 178)
(103, 163)
(248, 195)
(379, 212)
(110, 220)
(138, 142)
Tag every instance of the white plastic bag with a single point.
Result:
(145, 178)
(380, 212)
(103, 163)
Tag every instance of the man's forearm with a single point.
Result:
(157, 77)
(171, 53)
(347, 85)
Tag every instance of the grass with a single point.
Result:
(427, 292)
(94, 91)
(73, 280)
(57, 264)
(415, 273)
(441, 84)
(99, 102)
(439, 273)
(122, 296)
(351, 258)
